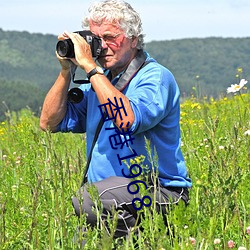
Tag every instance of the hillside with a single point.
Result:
(28, 66)
(28, 57)
(211, 63)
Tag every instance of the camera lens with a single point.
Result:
(75, 95)
(65, 48)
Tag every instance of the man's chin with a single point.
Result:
(105, 63)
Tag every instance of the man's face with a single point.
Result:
(118, 50)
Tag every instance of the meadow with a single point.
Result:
(40, 172)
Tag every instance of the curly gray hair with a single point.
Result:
(120, 12)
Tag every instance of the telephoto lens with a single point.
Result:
(65, 48)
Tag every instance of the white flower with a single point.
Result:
(217, 241)
(246, 133)
(242, 248)
(237, 87)
(192, 240)
(22, 210)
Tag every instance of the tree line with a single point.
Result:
(202, 67)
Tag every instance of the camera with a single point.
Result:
(65, 48)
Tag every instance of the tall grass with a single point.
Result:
(40, 172)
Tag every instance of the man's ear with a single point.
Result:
(134, 42)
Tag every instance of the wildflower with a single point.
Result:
(198, 182)
(248, 230)
(221, 147)
(195, 106)
(237, 87)
(216, 241)
(242, 248)
(192, 240)
(22, 210)
(230, 244)
(240, 70)
(247, 133)
(45, 216)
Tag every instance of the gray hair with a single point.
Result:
(120, 13)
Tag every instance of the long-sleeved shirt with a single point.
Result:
(154, 96)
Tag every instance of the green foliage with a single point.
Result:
(40, 172)
(37, 181)
(28, 58)
(14, 95)
(28, 68)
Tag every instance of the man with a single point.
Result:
(144, 97)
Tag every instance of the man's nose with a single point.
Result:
(104, 44)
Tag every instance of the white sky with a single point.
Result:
(162, 19)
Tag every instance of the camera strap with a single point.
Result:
(136, 64)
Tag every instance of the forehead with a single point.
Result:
(104, 27)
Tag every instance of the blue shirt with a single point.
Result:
(154, 97)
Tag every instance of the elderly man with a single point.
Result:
(137, 100)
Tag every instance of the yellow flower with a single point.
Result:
(240, 70)
(195, 105)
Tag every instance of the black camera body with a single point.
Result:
(65, 48)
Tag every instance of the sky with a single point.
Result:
(162, 19)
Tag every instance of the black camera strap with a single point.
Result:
(136, 64)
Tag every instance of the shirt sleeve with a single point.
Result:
(75, 117)
(153, 97)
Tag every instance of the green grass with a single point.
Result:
(40, 172)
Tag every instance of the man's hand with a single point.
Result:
(83, 54)
(66, 63)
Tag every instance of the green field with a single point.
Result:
(40, 172)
